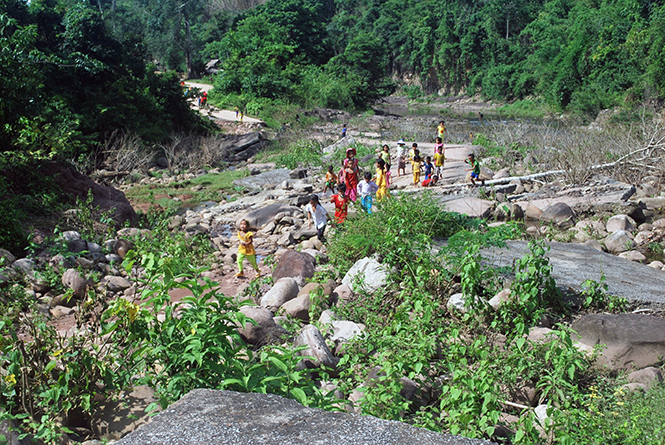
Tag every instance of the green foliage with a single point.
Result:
(392, 232)
(595, 296)
(532, 294)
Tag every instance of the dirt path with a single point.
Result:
(217, 114)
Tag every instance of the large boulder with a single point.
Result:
(294, 264)
(633, 340)
(262, 216)
(264, 181)
(264, 331)
(285, 289)
(560, 214)
(212, 417)
(75, 185)
(366, 274)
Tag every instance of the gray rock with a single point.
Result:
(285, 289)
(265, 331)
(344, 294)
(294, 264)
(366, 274)
(263, 215)
(619, 241)
(24, 265)
(73, 280)
(594, 244)
(572, 264)
(264, 181)
(631, 339)
(61, 311)
(286, 240)
(298, 173)
(298, 307)
(206, 416)
(649, 377)
(344, 331)
(533, 212)
(118, 284)
(500, 298)
(620, 222)
(10, 430)
(319, 257)
(559, 213)
(633, 255)
(632, 387)
(457, 302)
(316, 347)
(6, 257)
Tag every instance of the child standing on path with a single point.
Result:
(438, 145)
(331, 180)
(385, 155)
(246, 249)
(475, 168)
(416, 165)
(341, 204)
(365, 188)
(401, 157)
(439, 159)
(428, 167)
(381, 183)
(412, 153)
(316, 212)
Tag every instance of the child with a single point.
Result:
(385, 155)
(475, 168)
(438, 146)
(344, 131)
(428, 167)
(382, 190)
(416, 165)
(412, 152)
(316, 212)
(341, 204)
(401, 157)
(439, 159)
(365, 188)
(246, 249)
(389, 177)
(430, 182)
(441, 130)
(331, 180)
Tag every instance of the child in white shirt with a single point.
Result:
(365, 189)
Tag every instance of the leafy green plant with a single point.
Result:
(595, 295)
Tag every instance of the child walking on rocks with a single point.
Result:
(475, 168)
(246, 249)
(365, 189)
(316, 212)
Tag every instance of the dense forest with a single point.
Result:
(73, 71)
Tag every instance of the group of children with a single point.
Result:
(349, 188)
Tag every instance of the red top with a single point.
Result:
(341, 207)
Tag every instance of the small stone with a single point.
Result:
(500, 298)
(633, 255)
(648, 377)
(457, 302)
(118, 284)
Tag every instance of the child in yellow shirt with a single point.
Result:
(331, 181)
(246, 249)
(416, 165)
(380, 180)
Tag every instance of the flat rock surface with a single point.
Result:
(211, 417)
(572, 264)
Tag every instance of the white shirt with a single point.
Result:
(367, 188)
(319, 215)
(401, 151)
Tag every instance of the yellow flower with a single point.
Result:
(133, 310)
(193, 331)
(57, 353)
(11, 379)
